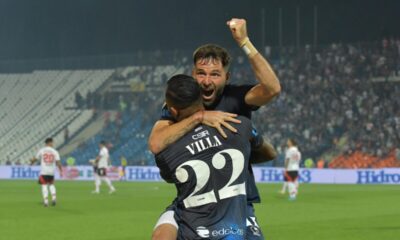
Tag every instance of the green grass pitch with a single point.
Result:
(321, 212)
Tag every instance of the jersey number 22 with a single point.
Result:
(202, 174)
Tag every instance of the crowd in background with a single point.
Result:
(342, 97)
(335, 91)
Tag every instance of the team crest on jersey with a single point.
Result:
(200, 135)
(198, 129)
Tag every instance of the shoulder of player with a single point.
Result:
(292, 150)
(234, 88)
(104, 151)
(179, 144)
(47, 149)
(244, 120)
(244, 127)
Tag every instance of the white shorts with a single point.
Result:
(167, 218)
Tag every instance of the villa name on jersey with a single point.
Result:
(203, 143)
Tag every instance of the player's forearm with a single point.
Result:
(163, 136)
(59, 167)
(269, 86)
(265, 74)
(266, 152)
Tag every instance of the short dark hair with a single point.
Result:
(212, 51)
(48, 140)
(182, 91)
(102, 142)
(294, 143)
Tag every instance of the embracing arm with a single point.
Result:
(165, 132)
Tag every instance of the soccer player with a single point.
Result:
(292, 166)
(102, 162)
(209, 171)
(211, 70)
(49, 158)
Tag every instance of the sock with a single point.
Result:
(97, 183)
(292, 189)
(53, 192)
(284, 187)
(108, 181)
(45, 193)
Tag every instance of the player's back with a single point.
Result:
(104, 156)
(48, 157)
(210, 174)
(294, 156)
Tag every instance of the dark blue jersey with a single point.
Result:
(210, 175)
(233, 100)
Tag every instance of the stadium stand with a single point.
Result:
(41, 104)
(340, 90)
(339, 101)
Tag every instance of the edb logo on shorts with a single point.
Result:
(203, 232)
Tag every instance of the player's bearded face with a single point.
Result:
(212, 77)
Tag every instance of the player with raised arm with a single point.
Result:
(211, 70)
(209, 171)
(49, 158)
(102, 162)
(292, 166)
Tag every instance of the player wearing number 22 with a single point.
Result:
(209, 171)
(211, 70)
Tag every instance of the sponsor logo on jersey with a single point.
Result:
(203, 232)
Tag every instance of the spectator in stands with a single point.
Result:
(78, 100)
(89, 100)
(321, 163)
(124, 163)
(66, 134)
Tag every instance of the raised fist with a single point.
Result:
(238, 29)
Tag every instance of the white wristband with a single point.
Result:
(248, 48)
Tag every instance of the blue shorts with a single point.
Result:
(253, 230)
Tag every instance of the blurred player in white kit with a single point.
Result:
(292, 166)
(49, 158)
(102, 162)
